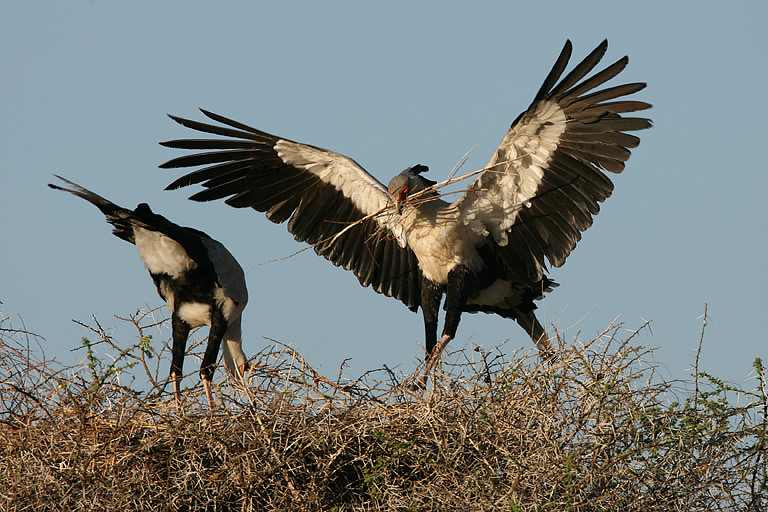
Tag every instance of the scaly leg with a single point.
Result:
(431, 294)
(215, 335)
(457, 290)
(432, 358)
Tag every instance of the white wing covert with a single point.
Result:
(328, 200)
(545, 181)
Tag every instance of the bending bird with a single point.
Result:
(197, 277)
(486, 251)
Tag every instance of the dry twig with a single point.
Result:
(595, 430)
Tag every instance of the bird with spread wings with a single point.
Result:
(488, 250)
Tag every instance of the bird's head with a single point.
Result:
(408, 183)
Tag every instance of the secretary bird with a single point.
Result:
(197, 277)
(488, 250)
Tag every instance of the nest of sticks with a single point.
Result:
(597, 429)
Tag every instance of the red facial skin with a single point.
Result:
(401, 197)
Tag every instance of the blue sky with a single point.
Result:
(87, 85)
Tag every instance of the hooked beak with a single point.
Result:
(396, 201)
(399, 198)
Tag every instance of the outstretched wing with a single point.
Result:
(328, 200)
(545, 181)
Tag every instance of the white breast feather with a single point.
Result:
(161, 254)
(438, 240)
(195, 314)
(493, 295)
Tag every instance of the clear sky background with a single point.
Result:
(86, 87)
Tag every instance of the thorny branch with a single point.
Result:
(594, 430)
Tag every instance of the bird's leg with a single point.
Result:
(457, 291)
(432, 358)
(459, 283)
(208, 393)
(215, 335)
(527, 320)
(431, 294)
(176, 390)
(180, 333)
